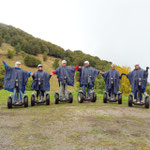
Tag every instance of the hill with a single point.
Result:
(14, 39)
(22, 41)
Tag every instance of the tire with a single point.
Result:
(80, 97)
(105, 98)
(47, 99)
(120, 99)
(70, 96)
(56, 98)
(33, 100)
(130, 100)
(94, 97)
(26, 101)
(9, 102)
(147, 102)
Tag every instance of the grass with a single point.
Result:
(73, 126)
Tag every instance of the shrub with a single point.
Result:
(29, 83)
(148, 90)
(44, 57)
(2, 70)
(31, 61)
(56, 64)
(23, 54)
(10, 54)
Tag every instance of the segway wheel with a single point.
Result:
(147, 102)
(26, 101)
(47, 99)
(120, 99)
(130, 100)
(70, 96)
(32, 100)
(9, 102)
(80, 97)
(56, 98)
(105, 98)
(94, 97)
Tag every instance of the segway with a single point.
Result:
(11, 102)
(39, 100)
(131, 101)
(69, 98)
(113, 97)
(89, 98)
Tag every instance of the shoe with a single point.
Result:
(138, 102)
(17, 102)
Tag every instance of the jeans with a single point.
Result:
(139, 95)
(84, 90)
(109, 93)
(63, 91)
(16, 93)
(38, 93)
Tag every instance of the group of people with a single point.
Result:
(15, 79)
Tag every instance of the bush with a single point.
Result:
(44, 57)
(56, 64)
(29, 83)
(23, 54)
(2, 70)
(31, 61)
(10, 54)
(1, 41)
(148, 90)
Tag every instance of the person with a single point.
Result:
(15, 80)
(112, 79)
(87, 77)
(138, 80)
(65, 75)
(40, 81)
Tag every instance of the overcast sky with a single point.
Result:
(115, 30)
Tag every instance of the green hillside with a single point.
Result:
(22, 43)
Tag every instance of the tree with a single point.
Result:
(125, 86)
(56, 64)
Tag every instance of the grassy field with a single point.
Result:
(87, 126)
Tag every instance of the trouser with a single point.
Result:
(63, 91)
(139, 94)
(38, 93)
(84, 90)
(16, 94)
(110, 93)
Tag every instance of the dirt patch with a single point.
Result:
(75, 127)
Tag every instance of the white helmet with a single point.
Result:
(40, 65)
(86, 62)
(17, 63)
(64, 61)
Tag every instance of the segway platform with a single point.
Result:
(91, 98)
(69, 99)
(34, 100)
(118, 98)
(11, 102)
(131, 102)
